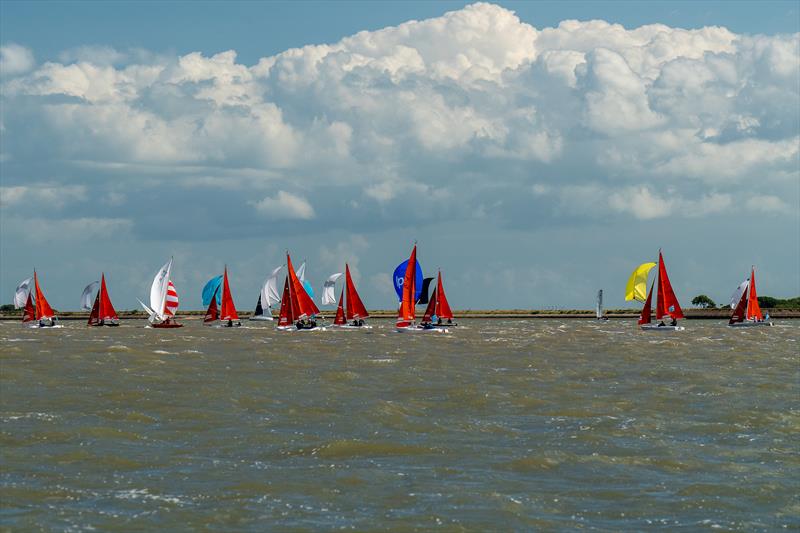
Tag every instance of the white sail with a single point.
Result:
(328, 292)
(149, 311)
(158, 291)
(301, 272)
(21, 294)
(737, 294)
(269, 293)
(86, 298)
(599, 310)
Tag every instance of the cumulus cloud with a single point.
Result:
(15, 59)
(42, 195)
(285, 205)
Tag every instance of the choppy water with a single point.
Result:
(530, 424)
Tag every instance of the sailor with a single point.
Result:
(674, 322)
(230, 323)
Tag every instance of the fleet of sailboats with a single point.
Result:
(298, 312)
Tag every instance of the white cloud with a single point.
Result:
(42, 195)
(15, 59)
(767, 204)
(285, 205)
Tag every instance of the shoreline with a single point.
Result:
(586, 314)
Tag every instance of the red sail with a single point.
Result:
(286, 316)
(405, 314)
(228, 310)
(305, 305)
(666, 303)
(106, 311)
(29, 314)
(43, 309)
(355, 307)
(94, 316)
(212, 313)
(753, 309)
(739, 313)
(340, 320)
(442, 305)
(644, 317)
(427, 318)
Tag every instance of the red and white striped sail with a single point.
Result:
(171, 302)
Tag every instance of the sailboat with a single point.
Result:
(599, 309)
(36, 308)
(102, 311)
(226, 314)
(406, 312)
(350, 309)
(298, 310)
(163, 300)
(667, 305)
(744, 302)
(438, 307)
(36, 311)
(268, 296)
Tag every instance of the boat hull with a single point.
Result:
(655, 327)
(261, 318)
(420, 329)
(350, 327)
(750, 324)
(165, 325)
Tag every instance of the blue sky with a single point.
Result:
(535, 160)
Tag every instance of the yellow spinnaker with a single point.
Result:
(636, 289)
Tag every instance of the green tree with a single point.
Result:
(703, 301)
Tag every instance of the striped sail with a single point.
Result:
(171, 303)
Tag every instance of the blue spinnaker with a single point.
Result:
(211, 287)
(307, 287)
(399, 276)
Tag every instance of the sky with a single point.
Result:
(536, 151)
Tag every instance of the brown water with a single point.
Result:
(529, 424)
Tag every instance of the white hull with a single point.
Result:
(420, 329)
(655, 327)
(261, 318)
(750, 324)
(350, 327)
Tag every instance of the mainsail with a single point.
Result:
(302, 303)
(228, 310)
(43, 309)
(666, 302)
(29, 313)
(753, 309)
(644, 317)
(158, 290)
(355, 307)
(405, 315)
(212, 313)
(740, 311)
(103, 311)
(286, 316)
(340, 319)
(442, 305)
(599, 309)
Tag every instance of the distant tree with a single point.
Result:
(6, 308)
(703, 301)
(767, 302)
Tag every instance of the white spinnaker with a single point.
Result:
(328, 289)
(21, 294)
(269, 293)
(599, 310)
(86, 298)
(158, 291)
(737, 294)
(301, 272)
